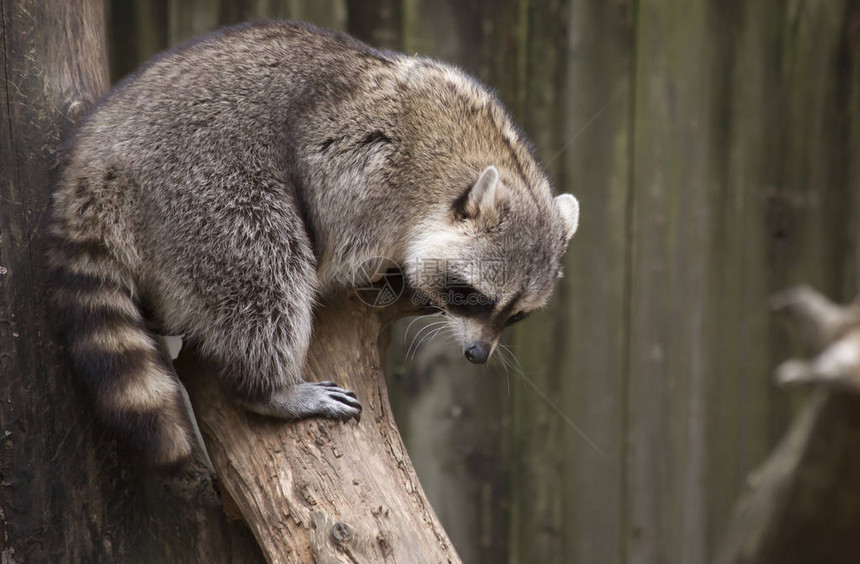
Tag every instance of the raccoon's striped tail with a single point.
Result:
(136, 391)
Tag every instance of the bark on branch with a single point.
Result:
(320, 490)
(803, 504)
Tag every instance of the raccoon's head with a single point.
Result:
(494, 259)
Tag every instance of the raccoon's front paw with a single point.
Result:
(333, 402)
(310, 399)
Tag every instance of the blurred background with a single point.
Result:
(715, 149)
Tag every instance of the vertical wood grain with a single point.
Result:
(190, 18)
(594, 295)
(538, 432)
(379, 23)
(851, 37)
(745, 412)
(669, 283)
(137, 30)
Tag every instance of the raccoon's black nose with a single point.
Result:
(477, 353)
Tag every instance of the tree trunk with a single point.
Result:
(68, 493)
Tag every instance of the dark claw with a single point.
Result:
(344, 397)
(347, 399)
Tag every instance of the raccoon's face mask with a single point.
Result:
(496, 262)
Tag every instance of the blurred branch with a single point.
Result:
(803, 504)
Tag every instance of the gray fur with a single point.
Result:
(232, 180)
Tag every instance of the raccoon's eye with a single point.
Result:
(519, 316)
(466, 300)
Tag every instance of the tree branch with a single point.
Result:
(320, 490)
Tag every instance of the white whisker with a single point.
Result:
(577, 134)
(427, 337)
(562, 414)
(507, 369)
(508, 353)
(414, 338)
(422, 330)
(408, 327)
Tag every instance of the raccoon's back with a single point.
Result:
(235, 102)
(237, 85)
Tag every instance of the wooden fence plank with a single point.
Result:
(378, 23)
(537, 431)
(851, 37)
(738, 384)
(745, 414)
(137, 30)
(594, 295)
(814, 192)
(189, 18)
(669, 284)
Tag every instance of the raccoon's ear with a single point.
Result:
(569, 207)
(480, 202)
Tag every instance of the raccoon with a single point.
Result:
(229, 183)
